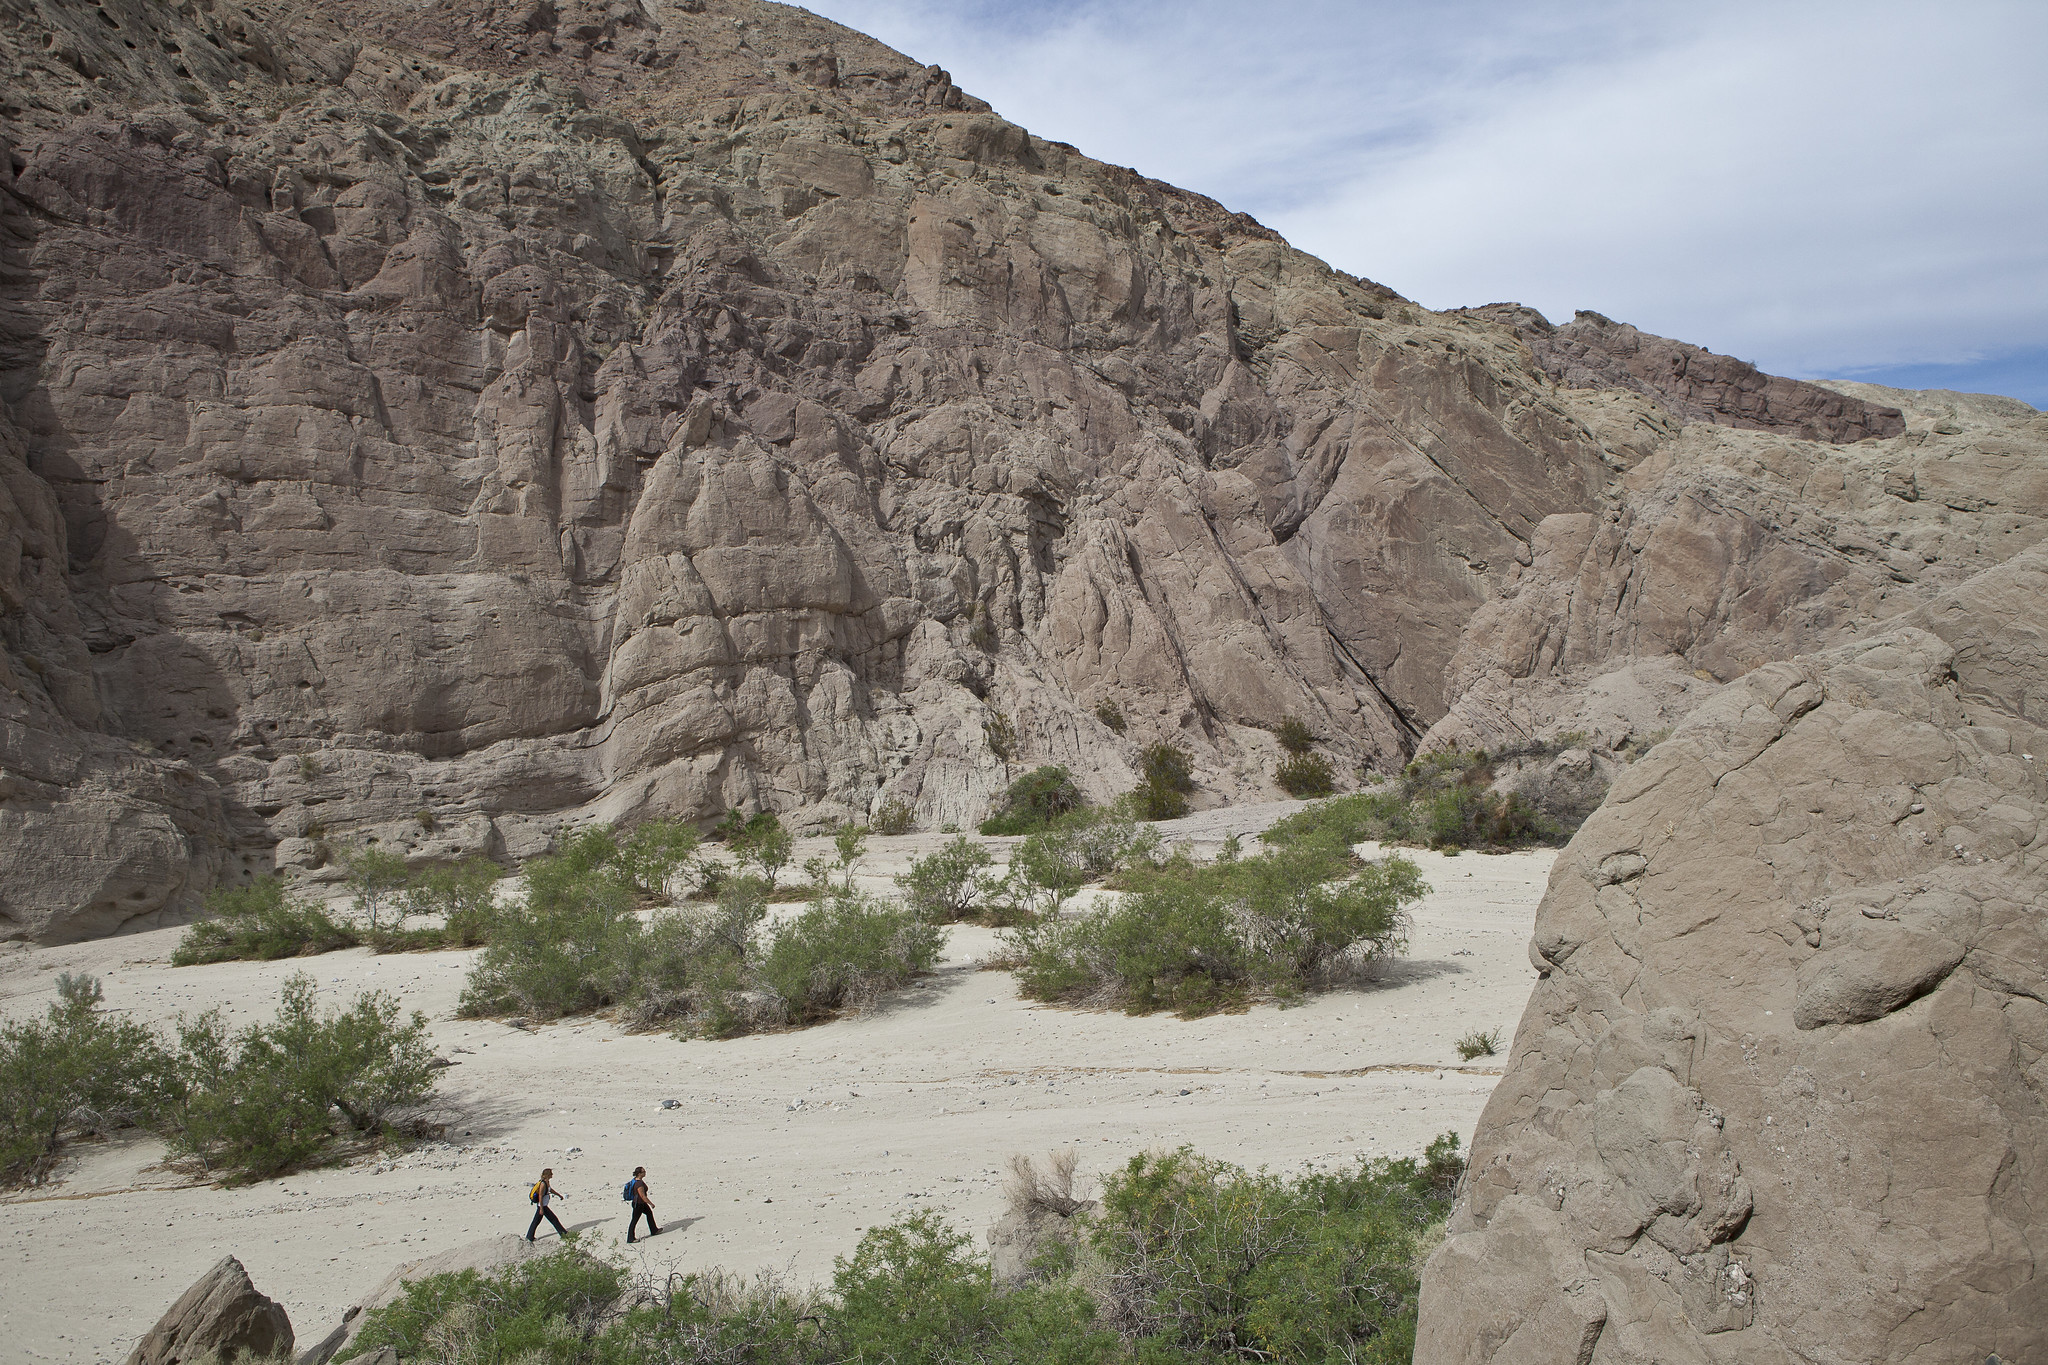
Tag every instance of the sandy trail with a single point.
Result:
(784, 1146)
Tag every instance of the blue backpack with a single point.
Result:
(631, 1185)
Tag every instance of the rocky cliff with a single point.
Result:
(434, 422)
(1782, 1092)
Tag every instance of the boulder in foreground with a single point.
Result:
(223, 1315)
(1779, 1095)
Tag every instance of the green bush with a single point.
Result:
(263, 921)
(463, 898)
(659, 856)
(1302, 775)
(564, 949)
(1440, 801)
(1188, 1261)
(543, 1309)
(79, 1070)
(762, 842)
(374, 875)
(1197, 939)
(1034, 801)
(841, 952)
(1294, 736)
(892, 818)
(947, 884)
(257, 1102)
(1211, 1262)
(1111, 715)
(1166, 776)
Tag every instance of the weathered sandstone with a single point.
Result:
(220, 1317)
(1779, 1095)
(518, 414)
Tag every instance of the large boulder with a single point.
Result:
(1779, 1094)
(219, 1317)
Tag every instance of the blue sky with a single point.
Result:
(1852, 190)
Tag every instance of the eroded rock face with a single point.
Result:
(516, 415)
(221, 1317)
(1779, 1095)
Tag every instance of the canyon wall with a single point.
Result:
(437, 423)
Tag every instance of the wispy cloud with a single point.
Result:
(1824, 188)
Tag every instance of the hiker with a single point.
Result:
(643, 1204)
(542, 1192)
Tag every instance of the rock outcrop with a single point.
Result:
(221, 1317)
(1781, 1093)
(432, 425)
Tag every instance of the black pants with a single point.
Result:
(642, 1209)
(545, 1212)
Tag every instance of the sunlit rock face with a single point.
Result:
(438, 423)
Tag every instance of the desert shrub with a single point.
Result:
(946, 885)
(659, 857)
(841, 952)
(913, 1293)
(257, 1102)
(1166, 776)
(564, 949)
(463, 898)
(1294, 735)
(1188, 1261)
(1479, 1043)
(1200, 938)
(762, 842)
(78, 1070)
(541, 1309)
(1440, 800)
(1305, 775)
(1211, 1262)
(374, 876)
(1034, 801)
(1111, 715)
(891, 819)
(264, 921)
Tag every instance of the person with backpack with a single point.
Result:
(643, 1204)
(539, 1196)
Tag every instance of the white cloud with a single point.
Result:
(1821, 187)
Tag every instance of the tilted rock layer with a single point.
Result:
(436, 422)
(1782, 1092)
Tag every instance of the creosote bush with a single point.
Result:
(80, 1070)
(257, 1103)
(1302, 775)
(245, 1104)
(263, 920)
(1166, 776)
(1111, 715)
(1439, 801)
(947, 884)
(1294, 735)
(575, 945)
(1035, 801)
(1197, 939)
(1188, 1261)
(892, 818)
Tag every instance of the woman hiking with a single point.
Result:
(643, 1204)
(541, 1194)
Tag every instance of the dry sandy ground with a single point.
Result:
(784, 1146)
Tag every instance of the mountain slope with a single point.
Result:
(432, 423)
